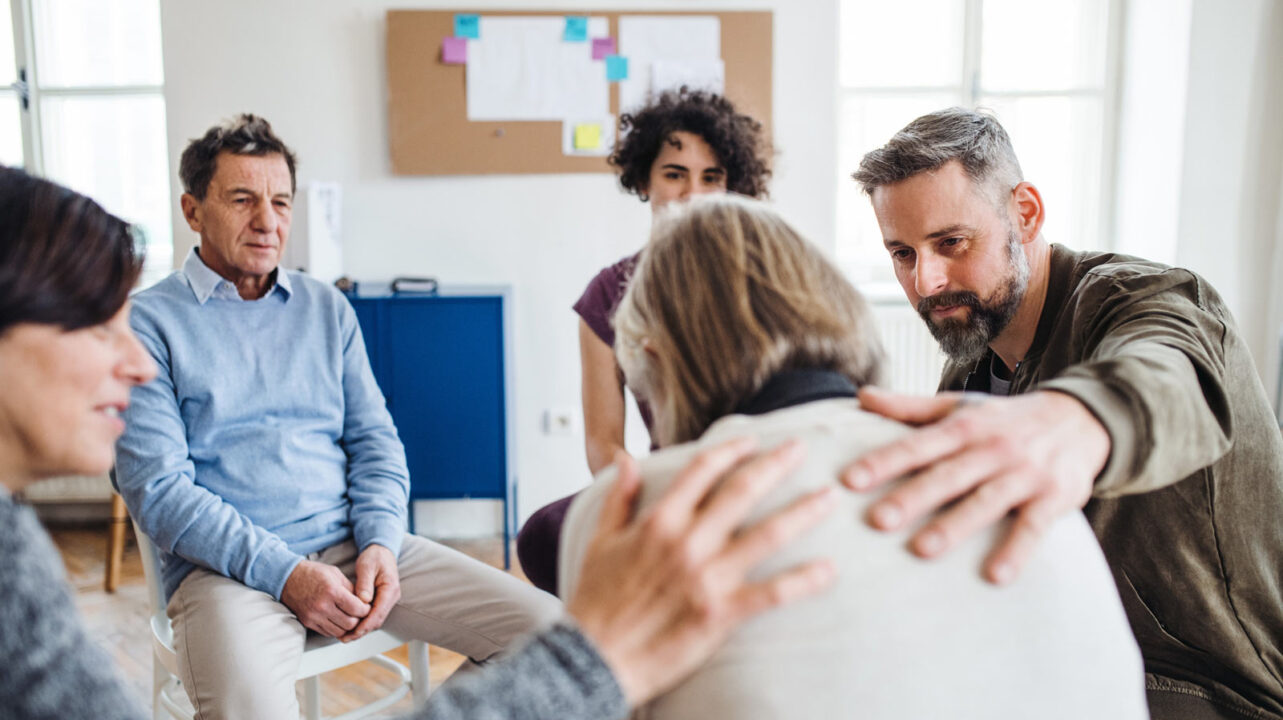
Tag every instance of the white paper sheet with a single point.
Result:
(605, 147)
(694, 40)
(695, 74)
(521, 69)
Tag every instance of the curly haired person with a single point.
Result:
(683, 144)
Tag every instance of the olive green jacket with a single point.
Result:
(1189, 506)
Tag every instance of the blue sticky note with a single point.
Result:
(467, 26)
(576, 29)
(616, 68)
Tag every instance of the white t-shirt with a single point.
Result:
(897, 637)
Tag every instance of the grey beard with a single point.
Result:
(966, 340)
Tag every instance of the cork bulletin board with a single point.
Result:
(428, 129)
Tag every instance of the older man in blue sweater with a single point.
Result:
(263, 463)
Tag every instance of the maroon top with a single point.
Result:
(597, 306)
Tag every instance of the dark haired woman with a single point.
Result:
(685, 143)
(68, 360)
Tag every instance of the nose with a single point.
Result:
(265, 217)
(700, 187)
(929, 275)
(688, 188)
(136, 366)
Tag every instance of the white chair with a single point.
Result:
(320, 655)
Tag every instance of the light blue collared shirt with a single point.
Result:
(264, 436)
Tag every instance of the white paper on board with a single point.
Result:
(694, 40)
(521, 69)
(707, 75)
(607, 124)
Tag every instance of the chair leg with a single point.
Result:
(159, 678)
(115, 542)
(312, 698)
(420, 676)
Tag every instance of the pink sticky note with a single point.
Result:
(601, 47)
(454, 51)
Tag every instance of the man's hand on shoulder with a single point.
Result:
(377, 582)
(1034, 455)
(323, 599)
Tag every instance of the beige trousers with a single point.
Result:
(239, 648)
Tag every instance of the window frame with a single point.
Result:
(31, 95)
(970, 92)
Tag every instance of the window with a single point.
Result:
(1047, 70)
(83, 105)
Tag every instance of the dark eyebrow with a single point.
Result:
(951, 230)
(675, 166)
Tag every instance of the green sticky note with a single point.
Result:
(467, 26)
(588, 136)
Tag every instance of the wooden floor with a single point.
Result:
(119, 621)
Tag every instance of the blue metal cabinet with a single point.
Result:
(442, 363)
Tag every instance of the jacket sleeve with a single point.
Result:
(378, 479)
(157, 478)
(52, 668)
(558, 675)
(1153, 373)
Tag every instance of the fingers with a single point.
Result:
(326, 627)
(909, 409)
(1028, 528)
(911, 452)
(731, 501)
(349, 604)
(693, 481)
(933, 487)
(617, 510)
(786, 587)
(330, 621)
(984, 506)
(386, 599)
(366, 569)
(758, 542)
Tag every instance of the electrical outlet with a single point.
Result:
(560, 421)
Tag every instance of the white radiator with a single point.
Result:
(914, 360)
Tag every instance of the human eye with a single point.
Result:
(901, 254)
(950, 242)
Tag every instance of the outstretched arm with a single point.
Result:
(1145, 408)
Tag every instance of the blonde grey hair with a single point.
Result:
(726, 295)
(975, 139)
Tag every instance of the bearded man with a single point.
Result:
(1094, 380)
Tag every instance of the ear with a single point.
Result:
(191, 211)
(649, 349)
(1027, 203)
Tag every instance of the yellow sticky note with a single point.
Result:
(588, 136)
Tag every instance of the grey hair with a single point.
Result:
(974, 139)
(244, 134)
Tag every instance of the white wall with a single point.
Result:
(1233, 164)
(316, 71)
